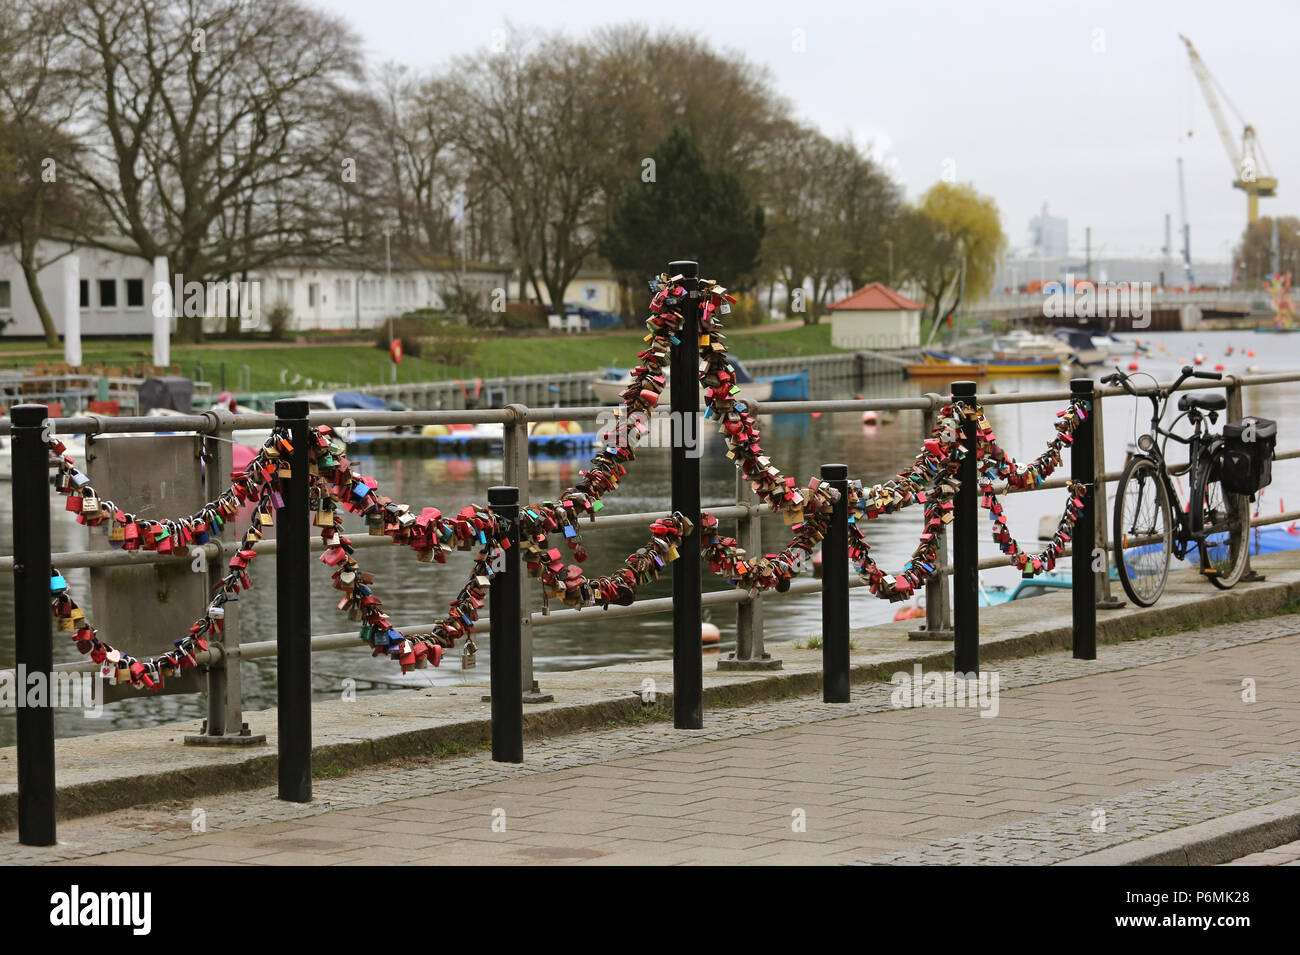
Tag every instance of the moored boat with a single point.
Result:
(609, 388)
(1003, 365)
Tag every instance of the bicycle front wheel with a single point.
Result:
(1219, 523)
(1143, 532)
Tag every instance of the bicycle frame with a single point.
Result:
(1200, 447)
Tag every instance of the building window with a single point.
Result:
(313, 295)
(5, 301)
(135, 293)
(108, 293)
(84, 294)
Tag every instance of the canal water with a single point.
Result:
(414, 592)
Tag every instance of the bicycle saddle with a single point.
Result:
(1205, 401)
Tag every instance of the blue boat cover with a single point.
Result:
(351, 399)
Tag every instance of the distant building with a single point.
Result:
(116, 294)
(1049, 235)
(876, 317)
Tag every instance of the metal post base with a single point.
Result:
(535, 695)
(242, 738)
(766, 662)
(1252, 577)
(1111, 603)
(924, 634)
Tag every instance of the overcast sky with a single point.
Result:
(1084, 106)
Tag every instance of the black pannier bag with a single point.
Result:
(1248, 447)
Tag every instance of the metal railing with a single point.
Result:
(515, 419)
(221, 661)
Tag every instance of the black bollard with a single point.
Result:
(33, 648)
(1084, 539)
(965, 542)
(688, 656)
(507, 642)
(835, 591)
(293, 609)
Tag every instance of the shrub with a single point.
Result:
(747, 312)
(277, 321)
(524, 316)
(410, 329)
(468, 304)
(452, 344)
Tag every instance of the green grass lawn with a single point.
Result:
(294, 366)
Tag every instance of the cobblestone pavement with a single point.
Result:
(1282, 855)
(1155, 733)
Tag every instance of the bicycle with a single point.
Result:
(1213, 524)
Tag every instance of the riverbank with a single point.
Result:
(343, 359)
(116, 770)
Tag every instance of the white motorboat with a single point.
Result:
(1093, 347)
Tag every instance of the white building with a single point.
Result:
(876, 317)
(116, 292)
(359, 296)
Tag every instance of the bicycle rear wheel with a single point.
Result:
(1143, 532)
(1222, 516)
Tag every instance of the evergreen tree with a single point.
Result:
(680, 208)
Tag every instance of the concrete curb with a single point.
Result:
(1208, 843)
(256, 768)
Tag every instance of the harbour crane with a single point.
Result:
(1187, 229)
(1249, 164)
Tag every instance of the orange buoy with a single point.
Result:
(870, 417)
(1132, 366)
(1218, 368)
(709, 633)
(914, 612)
(815, 414)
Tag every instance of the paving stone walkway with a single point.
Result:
(1155, 734)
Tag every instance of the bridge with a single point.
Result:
(1172, 310)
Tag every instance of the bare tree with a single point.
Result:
(37, 200)
(533, 121)
(211, 128)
